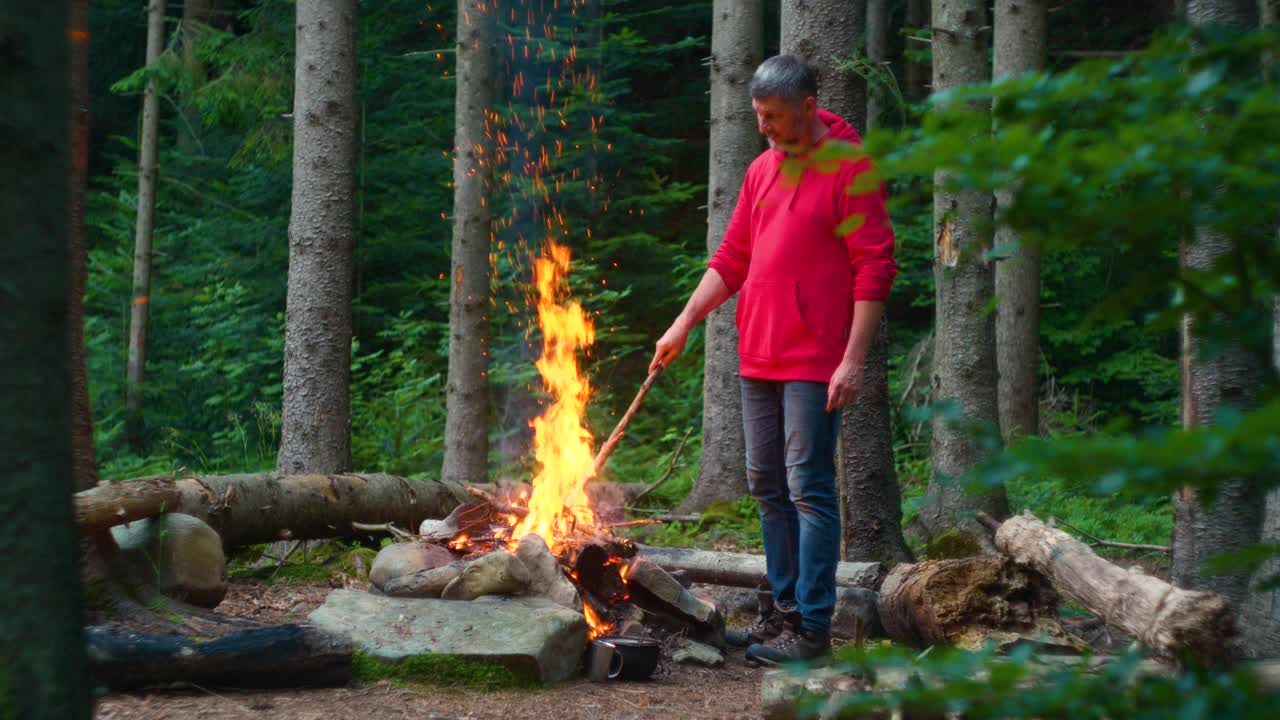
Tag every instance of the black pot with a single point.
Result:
(631, 658)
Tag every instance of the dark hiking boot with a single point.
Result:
(808, 646)
(771, 621)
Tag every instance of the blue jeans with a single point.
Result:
(791, 443)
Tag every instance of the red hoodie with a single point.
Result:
(798, 278)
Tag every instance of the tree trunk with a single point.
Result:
(42, 662)
(878, 56)
(281, 656)
(147, 170)
(315, 427)
(828, 35)
(915, 74)
(1228, 379)
(1020, 37)
(84, 464)
(964, 362)
(745, 570)
(1260, 615)
(737, 47)
(870, 500)
(466, 430)
(966, 602)
(1169, 621)
(263, 507)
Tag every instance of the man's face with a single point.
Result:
(784, 122)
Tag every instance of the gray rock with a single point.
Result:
(400, 559)
(498, 573)
(532, 636)
(783, 691)
(696, 653)
(424, 583)
(180, 553)
(854, 605)
(545, 576)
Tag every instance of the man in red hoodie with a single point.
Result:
(811, 251)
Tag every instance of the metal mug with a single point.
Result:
(604, 662)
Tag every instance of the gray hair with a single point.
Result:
(784, 76)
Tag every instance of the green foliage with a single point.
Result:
(441, 670)
(985, 685)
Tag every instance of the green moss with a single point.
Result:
(953, 544)
(441, 670)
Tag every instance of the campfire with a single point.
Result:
(593, 570)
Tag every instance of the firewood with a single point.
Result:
(746, 570)
(1169, 621)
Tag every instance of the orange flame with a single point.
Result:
(598, 625)
(562, 446)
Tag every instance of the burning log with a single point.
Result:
(277, 656)
(745, 570)
(1169, 621)
(265, 507)
(966, 602)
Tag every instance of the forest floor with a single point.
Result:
(675, 692)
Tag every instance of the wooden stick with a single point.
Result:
(670, 468)
(632, 523)
(498, 506)
(607, 449)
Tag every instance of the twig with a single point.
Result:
(632, 523)
(659, 514)
(670, 468)
(498, 505)
(382, 527)
(1110, 543)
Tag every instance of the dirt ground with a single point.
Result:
(676, 692)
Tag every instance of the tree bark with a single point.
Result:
(315, 431)
(466, 430)
(42, 663)
(264, 507)
(1169, 621)
(964, 362)
(281, 656)
(828, 35)
(84, 464)
(878, 57)
(1020, 38)
(916, 75)
(870, 500)
(143, 231)
(745, 570)
(737, 47)
(1228, 379)
(965, 602)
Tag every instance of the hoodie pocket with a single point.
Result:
(770, 326)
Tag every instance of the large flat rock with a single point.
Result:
(532, 636)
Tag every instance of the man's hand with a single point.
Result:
(845, 384)
(669, 346)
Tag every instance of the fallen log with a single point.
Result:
(967, 602)
(1168, 621)
(746, 570)
(266, 507)
(270, 657)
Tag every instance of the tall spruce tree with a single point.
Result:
(316, 419)
(737, 47)
(1020, 37)
(1213, 380)
(148, 150)
(43, 672)
(828, 34)
(83, 457)
(466, 437)
(877, 56)
(964, 361)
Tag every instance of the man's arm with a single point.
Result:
(709, 295)
(846, 382)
